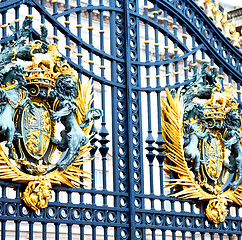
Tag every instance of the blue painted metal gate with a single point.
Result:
(132, 49)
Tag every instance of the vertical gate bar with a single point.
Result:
(4, 211)
(4, 26)
(129, 123)
(212, 236)
(67, 24)
(238, 92)
(79, 35)
(103, 131)
(55, 32)
(54, 2)
(194, 57)
(81, 232)
(17, 230)
(163, 234)
(173, 234)
(94, 232)
(57, 231)
(202, 236)
(114, 96)
(16, 21)
(230, 78)
(159, 141)
(3, 229)
(31, 232)
(184, 39)
(230, 236)
(221, 236)
(42, 16)
(175, 27)
(193, 235)
(166, 47)
(44, 231)
(149, 140)
(69, 226)
(30, 15)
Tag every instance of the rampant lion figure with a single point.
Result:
(194, 119)
(232, 136)
(73, 137)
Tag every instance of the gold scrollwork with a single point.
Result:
(37, 194)
(216, 210)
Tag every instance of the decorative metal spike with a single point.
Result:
(218, 16)
(210, 7)
(236, 35)
(226, 25)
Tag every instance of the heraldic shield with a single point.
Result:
(32, 100)
(201, 127)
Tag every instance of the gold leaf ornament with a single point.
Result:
(184, 183)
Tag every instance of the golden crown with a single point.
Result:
(65, 69)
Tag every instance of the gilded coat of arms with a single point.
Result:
(203, 144)
(32, 100)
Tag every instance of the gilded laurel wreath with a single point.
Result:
(32, 100)
(196, 137)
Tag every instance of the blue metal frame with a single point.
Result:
(136, 138)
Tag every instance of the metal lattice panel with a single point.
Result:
(132, 50)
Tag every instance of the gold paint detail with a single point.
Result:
(210, 7)
(218, 16)
(213, 153)
(4, 25)
(37, 193)
(184, 35)
(201, 4)
(155, 12)
(226, 25)
(90, 28)
(221, 76)
(68, 47)
(30, 16)
(33, 141)
(40, 127)
(216, 210)
(55, 37)
(17, 20)
(220, 102)
(235, 34)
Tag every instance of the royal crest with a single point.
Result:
(32, 100)
(203, 149)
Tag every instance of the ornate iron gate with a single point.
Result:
(132, 50)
